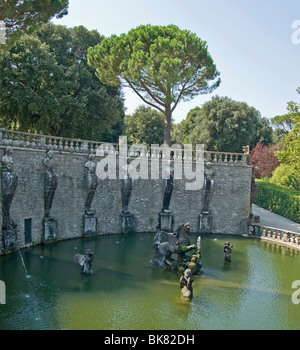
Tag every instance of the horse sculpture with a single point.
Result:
(166, 244)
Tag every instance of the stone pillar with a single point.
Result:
(50, 229)
(205, 222)
(128, 222)
(285, 237)
(166, 220)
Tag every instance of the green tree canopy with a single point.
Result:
(48, 87)
(288, 172)
(290, 152)
(286, 122)
(181, 132)
(222, 124)
(23, 17)
(145, 126)
(162, 64)
(283, 124)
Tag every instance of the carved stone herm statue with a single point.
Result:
(186, 284)
(50, 182)
(128, 220)
(126, 193)
(7, 161)
(91, 182)
(168, 190)
(9, 183)
(208, 184)
(166, 218)
(205, 219)
(85, 261)
(227, 251)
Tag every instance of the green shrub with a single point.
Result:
(278, 199)
(286, 175)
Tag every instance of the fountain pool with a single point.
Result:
(254, 291)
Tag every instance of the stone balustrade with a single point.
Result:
(43, 142)
(226, 157)
(276, 235)
(19, 139)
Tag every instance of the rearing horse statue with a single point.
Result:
(166, 244)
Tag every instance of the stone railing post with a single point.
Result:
(269, 234)
(276, 235)
(285, 237)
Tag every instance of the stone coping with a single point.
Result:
(23, 140)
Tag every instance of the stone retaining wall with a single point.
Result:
(228, 199)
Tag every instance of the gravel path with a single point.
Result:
(267, 218)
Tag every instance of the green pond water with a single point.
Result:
(254, 291)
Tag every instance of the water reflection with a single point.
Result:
(252, 292)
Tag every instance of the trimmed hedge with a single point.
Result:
(278, 199)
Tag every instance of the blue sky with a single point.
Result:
(250, 42)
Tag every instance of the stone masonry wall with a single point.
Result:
(229, 205)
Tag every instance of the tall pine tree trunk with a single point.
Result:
(168, 117)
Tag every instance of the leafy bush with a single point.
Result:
(286, 175)
(264, 159)
(278, 199)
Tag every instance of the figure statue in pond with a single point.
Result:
(227, 251)
(195, 264)
(9, 183)
(85, 261)
(50, 182)
(186, 284)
